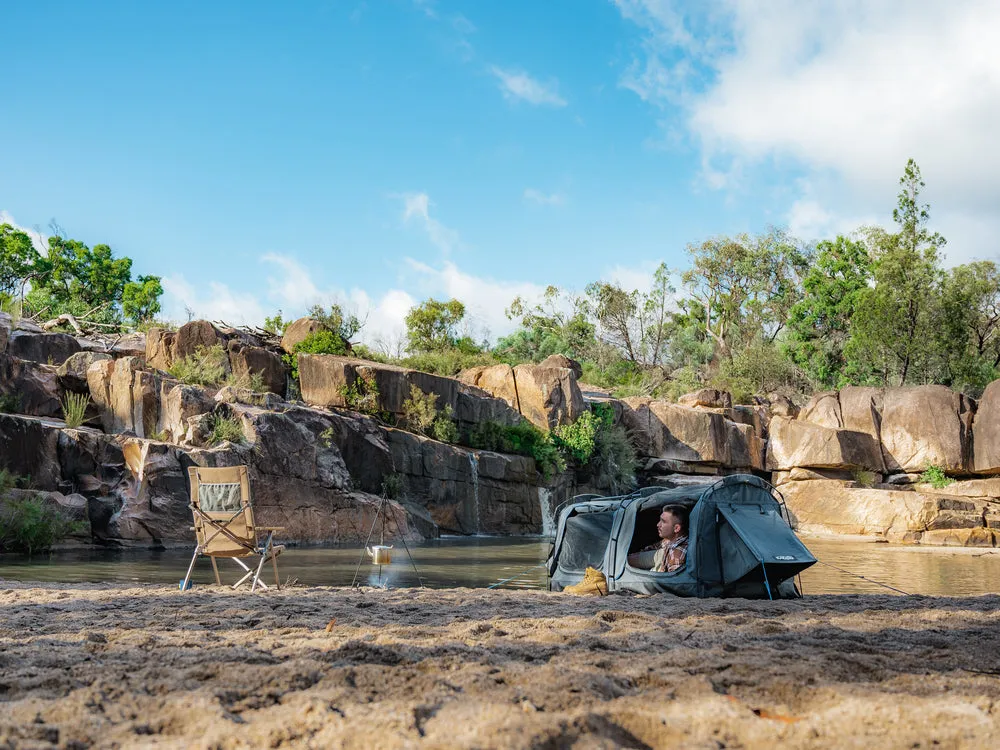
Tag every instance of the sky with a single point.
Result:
(261, 155)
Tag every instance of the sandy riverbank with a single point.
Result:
(109, 665)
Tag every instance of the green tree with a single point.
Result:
(969, 334)
(746, 285)
(819, 323)
(338, 321)
(71, 277)
(558, 324)
(637, 324)
(141, 298)
(894, 330)
(17, 259)
(433, 325)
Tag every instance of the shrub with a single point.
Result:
(421, 414)
(935, 476)
(761, 368)
(864, 478)
(524, 439)
(226, 428)
(318, 342)
(420, 410)
(10, 403)
(74, 407)
(207, 366)
(28, 525)
(362, 395)
(251, 381)
(577, 439)
(444, 427)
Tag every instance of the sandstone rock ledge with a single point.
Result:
(317, 667)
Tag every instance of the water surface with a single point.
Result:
(514, 562)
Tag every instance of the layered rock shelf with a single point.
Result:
(847, 462)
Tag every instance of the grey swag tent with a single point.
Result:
(740, 543)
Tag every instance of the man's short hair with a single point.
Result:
(681, 514)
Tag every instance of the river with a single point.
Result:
(845, 567)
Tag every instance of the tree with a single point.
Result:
(558, 324)
(17, 259)
(141, 299)
(819, 323)
(895, 325)
(969, 333)
(746, 285)
(336, 321)
(433, 325)
(635, 323)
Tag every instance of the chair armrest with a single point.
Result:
(269, 528)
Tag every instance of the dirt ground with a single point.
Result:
(113, 666)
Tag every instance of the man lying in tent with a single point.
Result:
(670, 553)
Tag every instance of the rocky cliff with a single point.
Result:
(848, 462)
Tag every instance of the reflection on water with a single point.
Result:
(478, 562)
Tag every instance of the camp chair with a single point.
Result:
(224, 526)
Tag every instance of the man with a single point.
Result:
(670, 553)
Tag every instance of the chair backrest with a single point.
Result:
(223, 515)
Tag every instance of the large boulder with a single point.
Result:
(254, 360)
(710, 398)
(298, 331)
(160, 348)
(38, 346)
(73, 372)
(547, 394)
(190, 337)
(669, 431)
(29, 448)
(835, 507)
(155, 501)
(823, 409)
(794, 443)
(126, 395)
(861, 410)
(28, 387)
(326, 381)
(178, 403)
(562, 361)
(927, 425)
(986, 431)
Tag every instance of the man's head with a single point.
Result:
(673, 522)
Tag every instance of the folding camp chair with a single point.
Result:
(224, 526)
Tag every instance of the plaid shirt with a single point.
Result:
(670, 555)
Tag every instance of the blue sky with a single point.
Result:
(265, 155)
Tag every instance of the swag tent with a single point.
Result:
(739, 541)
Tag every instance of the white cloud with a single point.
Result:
(847, 88)
(517, 85)
(542, 199)
(485, 299)
(416, 208)
(211, 301)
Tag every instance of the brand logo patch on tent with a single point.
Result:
(784, 557)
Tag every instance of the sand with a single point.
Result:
(108, 665)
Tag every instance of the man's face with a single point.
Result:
(668, 527)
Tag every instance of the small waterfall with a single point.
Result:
(474, 471)
(548, 521)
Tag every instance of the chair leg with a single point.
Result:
(215, 567)
(274, 563)
(187, 576)
(249, 573)
(260, 565)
